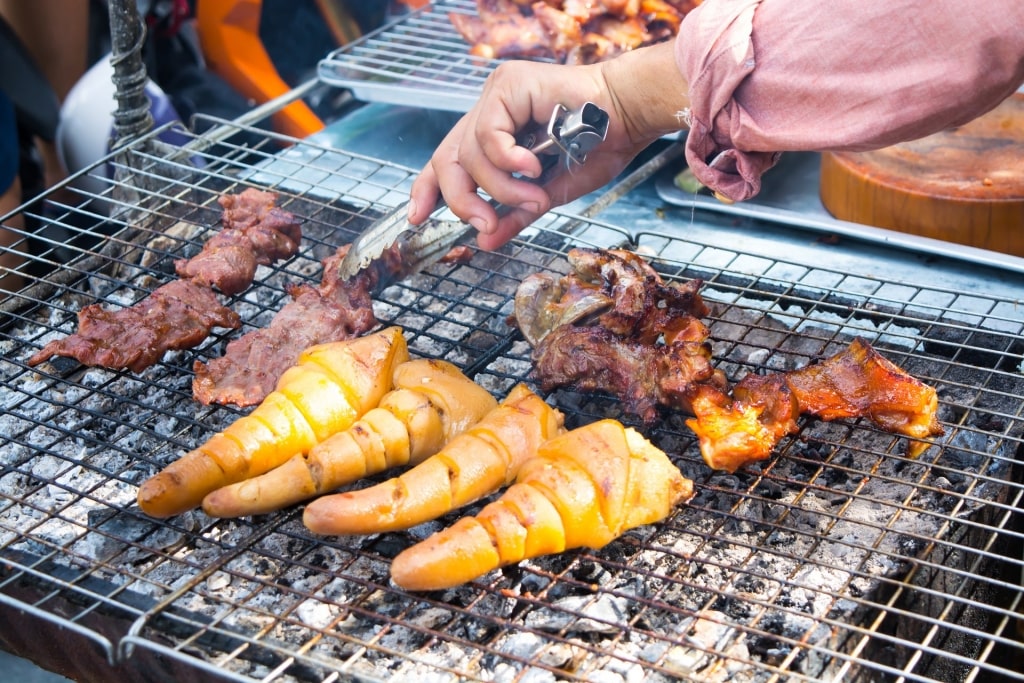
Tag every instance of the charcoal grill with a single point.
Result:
(838, 559)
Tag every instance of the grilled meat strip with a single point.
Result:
(251, 365)
(181, 313)
(177, 315)
(256, 232)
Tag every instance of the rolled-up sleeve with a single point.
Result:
(768, 76)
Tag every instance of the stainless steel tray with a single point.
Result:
(419, 60)
(790, 196)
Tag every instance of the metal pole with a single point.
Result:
(128, 34)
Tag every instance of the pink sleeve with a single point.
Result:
(768, 76)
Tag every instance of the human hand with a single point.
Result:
(641, 91)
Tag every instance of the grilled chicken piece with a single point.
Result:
(860, 382)
(735, 433)
(857, 382)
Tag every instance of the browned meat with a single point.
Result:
(570, 31)
(642, 376)
(641, 303)
(496, 35)
(735, 433)
(177, 315)
(613, 326)
(252, 364)
(615, 289)
(180, 314)
(458, 254)
(857, 382)
(255, 232)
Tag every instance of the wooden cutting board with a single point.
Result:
(964, 185)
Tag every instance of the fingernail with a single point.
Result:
(480, 224)
(411, 208)
(532, 207)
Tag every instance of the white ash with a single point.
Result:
(604, 614)
(316, 614)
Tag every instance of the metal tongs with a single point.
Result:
(562, 146)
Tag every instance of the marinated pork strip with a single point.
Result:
(177, 315)
(335, 310)
(255, 232)
(182, 313)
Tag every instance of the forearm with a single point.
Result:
(648, 92)
(769, 76)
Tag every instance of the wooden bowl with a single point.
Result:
(964, 185)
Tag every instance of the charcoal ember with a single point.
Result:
(316, 614)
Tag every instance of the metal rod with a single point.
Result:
(128, 34)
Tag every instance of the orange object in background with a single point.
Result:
(229, 37)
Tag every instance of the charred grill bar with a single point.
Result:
(839, 558)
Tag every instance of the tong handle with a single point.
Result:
(570, 135)
(562, 146)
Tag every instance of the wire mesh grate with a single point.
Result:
(420, 60)
(837, 559)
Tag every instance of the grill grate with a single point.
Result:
(420, 60)
(838, 559)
